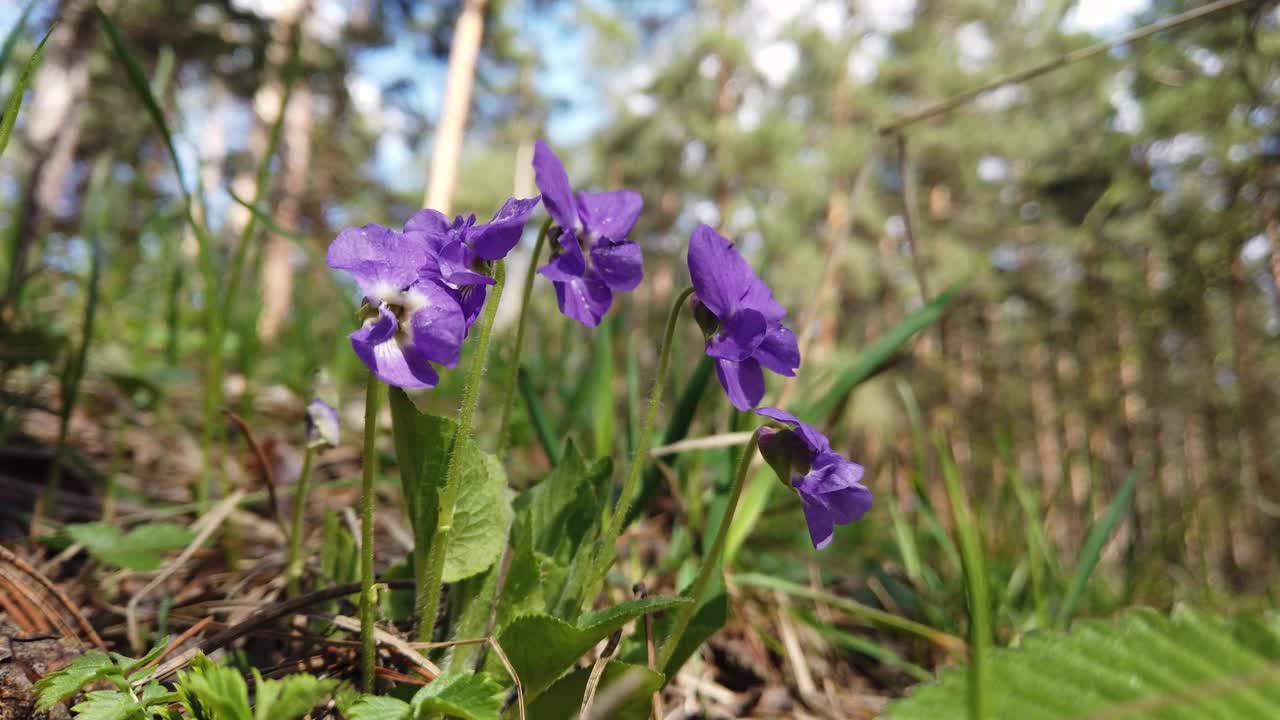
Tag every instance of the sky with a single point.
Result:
(567, 73)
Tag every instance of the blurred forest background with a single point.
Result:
(1114, 223)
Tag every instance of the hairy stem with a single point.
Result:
(368, 651)
(294, 564)
(431, 573)
(509, 387)
(712, 560)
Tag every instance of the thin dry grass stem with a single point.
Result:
(709, 442)
(597, 672)
(511, 670)
(268, 477)
(265, 616)
(399, 646)
(211, 522)
(178, 641)
(616, 695)
(795, 655)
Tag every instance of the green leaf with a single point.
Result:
(871, 359)
(537, 416)
(564, 698)
(290, 698)
(378, 707)
(212, 692)
(1094, 541)
(470, 696)
(541, 648)
(423, 443)
(62, 684)
(1141, 666)
(707, 621)
(143, 548)
(106, 705)
(10, 117)
(565, 507)
(480, 519)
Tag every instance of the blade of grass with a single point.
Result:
(11, 40)
(1094, 542)
(975, 578)
(946, 641)
(10, 117)
(1039, 556)
(881, 351)
(854, 643)
(17, 269)
(74, 373)
(537, 417)
(267, 221)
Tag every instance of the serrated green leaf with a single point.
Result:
(106, 705)
(1143, 666)
(564, 698)
(423, 443)
(480, 519)
(142, 548)
(541, 648)
(470, 696)
(212, 692)
(378, 707)
(290, 698)
(62, 684)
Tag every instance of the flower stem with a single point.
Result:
(606, 548)
(509, 387)
(294, 564)
(368, 651)
(430, 575)
(712, 559)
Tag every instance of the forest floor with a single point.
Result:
(224, 589)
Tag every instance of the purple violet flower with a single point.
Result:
(323, 428)
(461, 252)
(592, 257)
(740, 319)
(830, 487)
(409, 322)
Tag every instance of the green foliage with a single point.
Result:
(142, 548)
(62, 684)
(209, 691)
(564, 698)
(541, 648)
(873, 358)
(1094, 541)
(1142, 666)
(119, 704)
(423, 443)
(469, 696)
